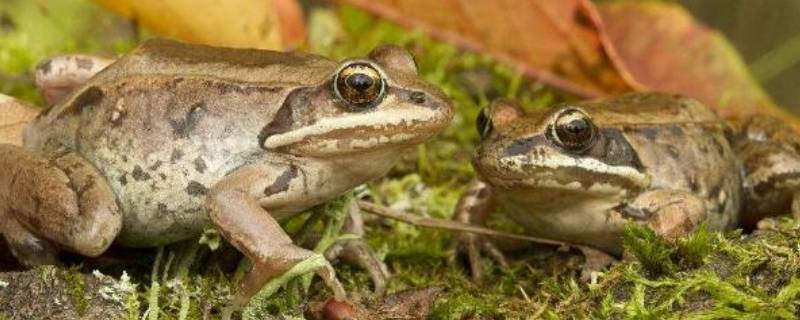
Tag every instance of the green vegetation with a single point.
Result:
(76, 289)
(705, 276)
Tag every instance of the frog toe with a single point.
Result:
(357, 252)
(474, 248)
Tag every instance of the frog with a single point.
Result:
(172, 138)
(579, 172)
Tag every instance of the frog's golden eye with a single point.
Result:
(483, 123)
(360, 85)
(573, 130)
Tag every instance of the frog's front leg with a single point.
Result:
(54, 201)
(57, 76)
(474, 207)
(670, 213)
(357, 252)
(234, 208)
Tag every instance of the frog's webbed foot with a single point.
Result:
(57, 76)
(358, 252)
(234, 210)
(55, 201)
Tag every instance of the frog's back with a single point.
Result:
(167, 121)
(681, 144)
(160, 58)
(249, 65)
(649, 109)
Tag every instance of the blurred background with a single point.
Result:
(767, 34)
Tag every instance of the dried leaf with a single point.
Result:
(14, 115)
(555, 41)
(591, 51)
(665, 49)
(413, 303)
(265, 24)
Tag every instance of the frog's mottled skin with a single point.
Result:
(164, 123)
(173, 138)
(662, 160)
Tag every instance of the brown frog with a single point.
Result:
(578, 172)
(174, 138)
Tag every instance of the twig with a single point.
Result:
(449, 225)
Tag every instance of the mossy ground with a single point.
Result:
(706, 276)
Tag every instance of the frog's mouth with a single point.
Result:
(562, 172)
(354, 132)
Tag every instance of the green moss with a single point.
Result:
(653, 252)
(132, 306)
(75, 286)
(693, 251)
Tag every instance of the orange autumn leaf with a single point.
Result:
(554, 41)
(663, 47)
(265, 24)
(592, 51)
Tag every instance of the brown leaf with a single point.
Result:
(554, 41)
(265, 24)
(665, 49)
(573, 45)
(414, 303)
(14, 115)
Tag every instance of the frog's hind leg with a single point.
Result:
(54, 202)
(770, 151)
(29, 249)
(57, 76)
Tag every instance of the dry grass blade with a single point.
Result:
(448, 224)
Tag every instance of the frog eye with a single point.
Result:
(360, 85)
(483, 123)
(573, 130)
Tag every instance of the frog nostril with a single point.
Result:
(417, 97)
